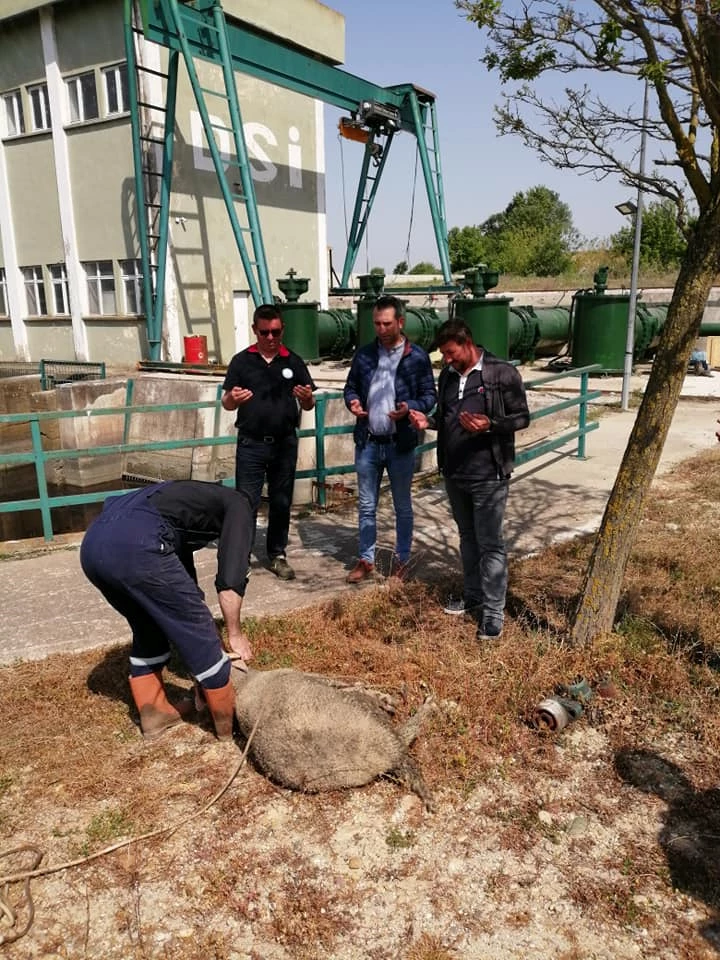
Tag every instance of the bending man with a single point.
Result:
(139, 554)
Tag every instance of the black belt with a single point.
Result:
(264, 438)
(382, 437)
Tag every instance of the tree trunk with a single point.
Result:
(595, 613)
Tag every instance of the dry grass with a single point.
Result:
(70, 752)
(72, 710)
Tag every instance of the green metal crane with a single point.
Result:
(200, 30)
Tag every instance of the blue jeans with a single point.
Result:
(370, 462)
(254, 461)
(478, 508)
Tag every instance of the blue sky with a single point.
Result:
(428, 43)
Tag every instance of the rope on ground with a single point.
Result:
(25, 876)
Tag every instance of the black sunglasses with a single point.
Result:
(272, 332)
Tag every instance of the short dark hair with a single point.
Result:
(456, 330)
(267, 311)
(387, 302)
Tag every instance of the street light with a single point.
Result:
(628, 208)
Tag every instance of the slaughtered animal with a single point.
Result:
(314, 733)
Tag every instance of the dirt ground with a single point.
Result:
(601, 842)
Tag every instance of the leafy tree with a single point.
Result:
(377, 271)
(467, 247)
(662, 244)
(424, 268)
(533, 235)
(674, 47)
(400, 268)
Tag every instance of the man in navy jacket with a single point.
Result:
(388, 379)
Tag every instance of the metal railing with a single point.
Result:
(53, 372)
(319, 473)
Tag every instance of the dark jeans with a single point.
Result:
(479, 508)
(254, 462)
(128, 553)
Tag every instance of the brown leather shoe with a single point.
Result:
(362, 570)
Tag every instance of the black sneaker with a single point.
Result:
(489, 630)
(282, 569)
(455, 606)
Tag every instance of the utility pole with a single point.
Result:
(630, 338)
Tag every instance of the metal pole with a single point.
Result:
(630, 338)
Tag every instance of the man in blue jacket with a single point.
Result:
(481, 403)
(388, 378)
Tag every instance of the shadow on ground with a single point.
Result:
(690, 834)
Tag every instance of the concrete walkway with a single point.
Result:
(48, 606)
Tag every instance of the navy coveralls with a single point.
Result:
(139, 554)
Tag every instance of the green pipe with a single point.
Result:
(336, 333)
(421, 325)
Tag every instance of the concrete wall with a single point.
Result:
(122, 339)
(307, 23)
(34, 200)
(50, 339)
(79, 23)
(77, 433)
(178, 464)
(7, 345)
(22, 57)
(101, 157)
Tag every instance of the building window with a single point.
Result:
(82, 97)
(101, 287)
(61, 299)
(35, 291)
(115, 81)
(132, 285)
(13, 119)
(40, 107)
(3, 293)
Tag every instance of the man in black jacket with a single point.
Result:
(481, 403)
(268, 385)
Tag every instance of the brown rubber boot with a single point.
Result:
(157, 714)
(221, 703)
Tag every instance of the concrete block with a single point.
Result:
(78, 433)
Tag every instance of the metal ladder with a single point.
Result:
(152, 158)
(153, 185)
